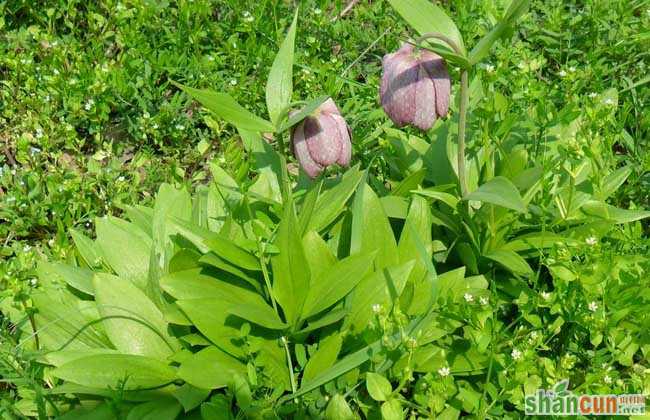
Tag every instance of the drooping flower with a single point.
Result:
(415, 87)
(322, 139)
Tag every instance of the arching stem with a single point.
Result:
(441, 37)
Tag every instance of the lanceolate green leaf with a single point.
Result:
(76, 277)
(318, 254)
(324, 358)
(349, 362)
(303, 113)
(116, 371)
(273, 360)
(332, 201)
(226, 107)
(290, 270)
(614, 214)
(371, 228)
(210, 368)
(125, 248)
(211, 317)
(614, 180)
(424, 17)
(499, 191)
(89, 250)
(260, 314)
(133, 323)
(279, 86)
(157, 409)
(415, 245)
(336, 283)
(206, 241)
(59, 320)
(382, 288)
(510, 260)
(170, 202)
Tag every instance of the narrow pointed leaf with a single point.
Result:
(291, 274)
(279, 86)
(499, 191)
(226, 107)
(424, 16)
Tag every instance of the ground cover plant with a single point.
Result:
(452, 269)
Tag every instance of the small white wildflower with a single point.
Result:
(376, 308)
(89, 104)
(87, 224)
(39, 133)
(572, 69)
(51, 241)
(546, 295)
(34, 150)
(608, 101)
(33, 282)
(607, 379)
(489, 68)
(591, 241)
(155, 126)
(120, 178)
(516, 354)
(593, 94)
(248, 17)
(469, 297)
(562, 73)
(27, 248)
(444, 371)
(317, 11)
(233, 82)
(146, 115)
(179, 127)
(593, 306)
(484, 300)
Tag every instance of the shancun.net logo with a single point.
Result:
(560, 401)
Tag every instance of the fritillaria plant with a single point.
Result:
(415, 86)
(415, 90)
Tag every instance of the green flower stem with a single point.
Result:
(285, 182)
(441, 37)
(289, 364)
(462, 122)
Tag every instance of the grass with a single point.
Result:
(89, 122)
